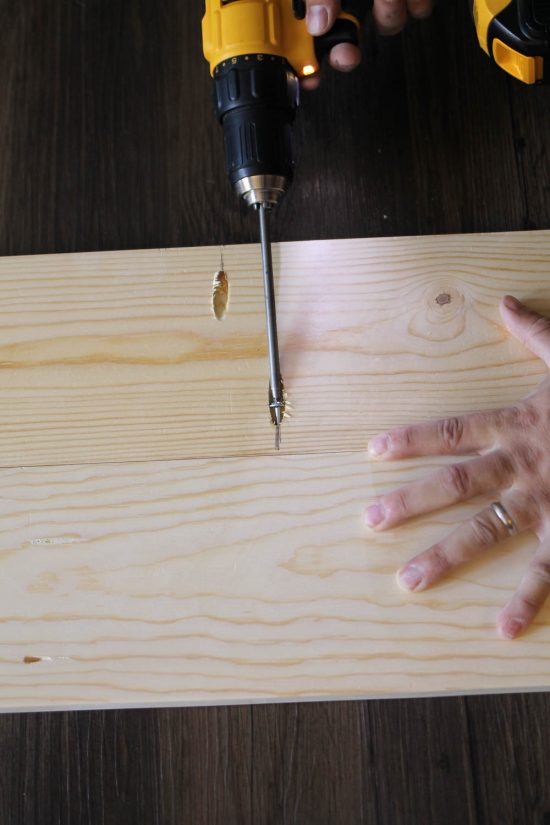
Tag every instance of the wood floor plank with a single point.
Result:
(314, 770)
(363, 762)
(510, 746)
(118, 356)
(351, 763)
(425, 750)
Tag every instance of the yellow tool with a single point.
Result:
(258, 50)
(516, 35)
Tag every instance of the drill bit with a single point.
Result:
(276, 399)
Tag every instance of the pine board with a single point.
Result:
(116, 356)
(154, 550)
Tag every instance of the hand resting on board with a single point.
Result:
(512, 463)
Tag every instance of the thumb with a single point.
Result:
(321, 15)
(527, 326)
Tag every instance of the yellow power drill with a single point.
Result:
(258, 50)
(516, 35)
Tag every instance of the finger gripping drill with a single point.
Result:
(257, 51)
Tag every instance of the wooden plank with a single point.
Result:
(511, 770)
(234, 580)
(249, 577)
(213, 763)
(437, 782)
(361, 746)
(289, 740)
(117, 356)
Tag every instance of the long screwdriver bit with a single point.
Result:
(276, 393)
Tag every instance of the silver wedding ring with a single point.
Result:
(504, 516)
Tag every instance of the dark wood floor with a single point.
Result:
(107, 140)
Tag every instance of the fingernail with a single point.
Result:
(511, 303)
(379, 445)
(409, 578)
(374, 515)
(317, 20)
(511, 628)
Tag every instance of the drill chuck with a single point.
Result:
(256, 97)
(257, 50)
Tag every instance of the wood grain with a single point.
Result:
(237, 580)
(118, 356)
